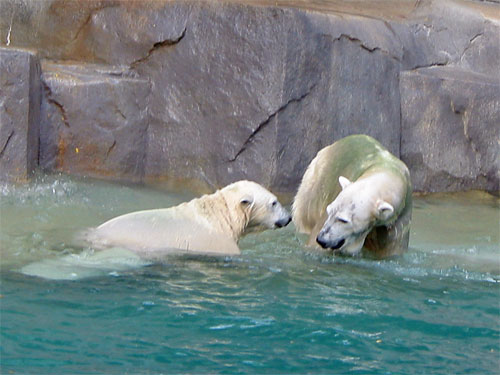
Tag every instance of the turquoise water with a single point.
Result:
(276, 309)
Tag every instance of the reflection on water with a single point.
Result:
(461, 229)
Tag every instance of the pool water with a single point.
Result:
(278, 308)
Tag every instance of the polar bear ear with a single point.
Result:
(246, 201)
(384, 210)
(344, 182)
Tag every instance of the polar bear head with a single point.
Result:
(352, 215)
(258, 206)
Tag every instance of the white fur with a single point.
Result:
(211, 224)
(311, 198)
(359, 207)
(344, 182)
(355, 194)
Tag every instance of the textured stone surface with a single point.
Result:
(215, 81)
(332, 88)
(451, 129)
(448, 33)
(237, 87)
(67, 29)
(94, 122)
(252, 88)
(19, 114)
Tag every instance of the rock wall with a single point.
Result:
(468, 104)
(93, 122)
(19, 114)
(217, 91)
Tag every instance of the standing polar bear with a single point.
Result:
(355, 195)
(211, 224)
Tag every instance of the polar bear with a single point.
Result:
(355, 197)
(211, 224)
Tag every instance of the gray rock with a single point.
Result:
(19, 114)
(56, 28)
(450, 129)
(332, 88)
(215, 82)
(450, 33)
(94, 122)
(238, 87)
(248, 89)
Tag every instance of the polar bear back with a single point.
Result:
(163, 230)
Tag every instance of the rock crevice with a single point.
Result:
(264, 123)
(157, 46)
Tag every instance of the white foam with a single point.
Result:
(89, 263)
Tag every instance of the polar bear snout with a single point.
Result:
(283, 222)
(280, 217)
(327, 244)
(321, 242)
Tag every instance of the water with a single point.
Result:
(276, 309)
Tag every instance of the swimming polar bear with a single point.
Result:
(211, 224)
(355, 195)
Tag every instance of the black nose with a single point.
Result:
(338, 245)
(321, 242)
(325, 244)
(283, 222)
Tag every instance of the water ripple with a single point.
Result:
(278, 308)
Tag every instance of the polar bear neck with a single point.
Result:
(225, 216)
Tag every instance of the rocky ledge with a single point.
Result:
(216, 91)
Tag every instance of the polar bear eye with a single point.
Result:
(274, 203)
(245, 202)
(342, 220)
